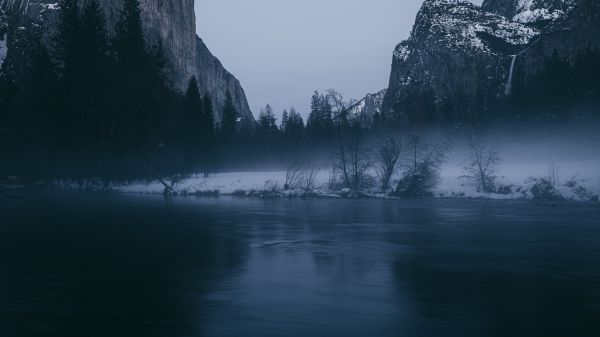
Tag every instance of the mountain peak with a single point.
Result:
(460, 25)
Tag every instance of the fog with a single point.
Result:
(571, 149)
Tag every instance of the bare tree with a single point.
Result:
(353, 157)
(482, 165)
(388, 154)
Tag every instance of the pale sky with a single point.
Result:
(283, 50)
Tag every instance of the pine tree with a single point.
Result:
(73, 134)
(194, 106)
(68, 36)
(208, 122)
(95, 50)
(229, 119)
(129, 40)
(267, 122)
(210, 148)
(266, 131)
(294, 131)
(34, 121)
(284, 121)
(94, 43)
(320, 120)
(142, 96)
(192, 128)
(84, 55)
(313, 123)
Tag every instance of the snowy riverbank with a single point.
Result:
(582, 188)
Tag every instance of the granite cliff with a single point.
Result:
(172, 23)
(461, 59)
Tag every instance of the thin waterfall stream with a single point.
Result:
(508, 89)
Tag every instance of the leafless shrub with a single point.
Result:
(387, 156)
(309, 175)
(423, 163)
(302, 175)
(293, 176)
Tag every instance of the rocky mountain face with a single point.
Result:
(172, 23)
(566, 38)
(530, 11)
(460, 58)
(370, 106)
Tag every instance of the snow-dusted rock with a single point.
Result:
(369, 106)
(530, 11)
(457, 55)
(456, 64)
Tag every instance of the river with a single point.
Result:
(92, 264)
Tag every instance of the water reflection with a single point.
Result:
(78, 265)
(105, 265)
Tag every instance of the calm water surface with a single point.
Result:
(76, 264)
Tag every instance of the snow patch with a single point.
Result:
(535, 15)
(531, 11)
(52, 7)
(402, 53)
(460, 25)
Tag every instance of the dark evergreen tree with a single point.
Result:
(74, 135)
(267, 124)
(193, 124)
(96, 81)
(141, 93)
(320, 121)
(284, 121)
(229, 119)
(84, 55)
(34, 127)
(129, 42)
(69, 29)
(210, 146)
(294, 131)
(266, 133)
(208, 119)
(587, 73)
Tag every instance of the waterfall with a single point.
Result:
(508, 89)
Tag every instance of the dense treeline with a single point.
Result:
(96, 104)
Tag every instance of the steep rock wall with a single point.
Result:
(172, 23)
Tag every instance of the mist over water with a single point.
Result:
(530, 148)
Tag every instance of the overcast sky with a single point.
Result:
(283, 50)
